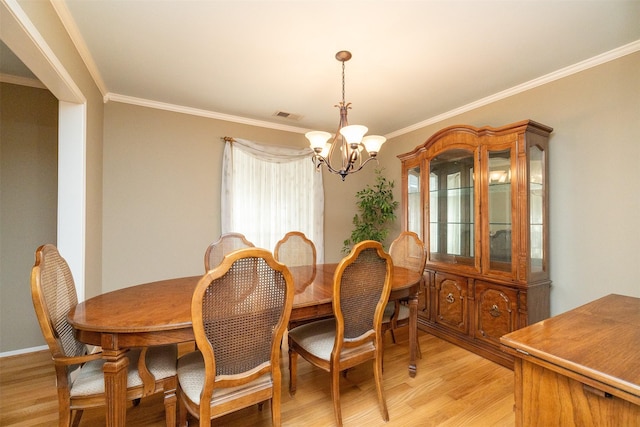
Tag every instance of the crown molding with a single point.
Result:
(23, 38)
(114, 97)
(548, 78)
(78, 41)
(22, 81)
(556, 75)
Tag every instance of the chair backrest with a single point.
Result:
(54, 294)
(295, 250)
(226, 244)
(240, 311)
(408, 251)
(362, 284)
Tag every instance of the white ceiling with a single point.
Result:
(412, 60)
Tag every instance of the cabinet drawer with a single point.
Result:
(496, 309)
(451, 306)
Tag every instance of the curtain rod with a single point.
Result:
(228, 139)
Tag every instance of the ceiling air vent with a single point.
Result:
(288, 116)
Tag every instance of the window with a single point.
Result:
(268, 191)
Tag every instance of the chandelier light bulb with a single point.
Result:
(353, 134)
(317, 139)
(372, 143)
(325, 151)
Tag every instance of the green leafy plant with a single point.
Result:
(376, 209)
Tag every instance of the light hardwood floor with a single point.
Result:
(453, 387)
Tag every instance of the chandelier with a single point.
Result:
(349, 140)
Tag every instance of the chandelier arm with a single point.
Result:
(354, 156)
(322, 160)
(317, 161)
(348, 170)
(339, 141)
(362, 165)
(336, 144)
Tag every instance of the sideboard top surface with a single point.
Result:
(600, 340)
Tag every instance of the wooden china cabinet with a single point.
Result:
(478, 197)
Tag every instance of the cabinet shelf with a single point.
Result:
(452, 223)
(452, 190)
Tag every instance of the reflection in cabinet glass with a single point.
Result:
(537, 203)
(413, 200)
(500, 210)
(451, 207)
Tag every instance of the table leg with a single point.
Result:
(115, 386)
(413, 334)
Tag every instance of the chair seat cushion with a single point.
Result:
(191, 376)
(403, 312)
(318, 338)
(161, 362)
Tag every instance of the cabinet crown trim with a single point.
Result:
(518, 127)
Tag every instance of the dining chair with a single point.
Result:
(79, 374)
(296, 250)
(227, 243)
(239, 310)
(361, 288)
(406, 251)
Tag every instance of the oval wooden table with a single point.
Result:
(159, 313)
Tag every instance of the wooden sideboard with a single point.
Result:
(580, 368)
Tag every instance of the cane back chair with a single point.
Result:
(296, 250)
(240, 311)
(407, 251)
(361, 288)
(227, 243)
(79, 375)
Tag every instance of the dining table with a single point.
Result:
(159, 312)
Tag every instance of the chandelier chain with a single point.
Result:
(343, 99)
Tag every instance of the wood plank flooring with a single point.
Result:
(453, 387)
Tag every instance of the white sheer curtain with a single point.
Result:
(268, 191)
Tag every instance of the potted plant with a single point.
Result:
(376, 209)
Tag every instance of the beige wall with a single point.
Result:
(39, 19)
(594, 175)
(28, 203)
(45, 19)
(162, 175)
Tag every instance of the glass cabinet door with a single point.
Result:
(537, 203)
(451, 207)
(414, 205)
(499, 210)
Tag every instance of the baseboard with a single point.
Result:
(23, 351)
